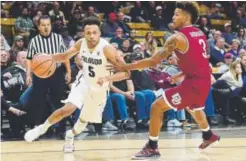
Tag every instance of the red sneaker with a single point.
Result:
(147, 153)
(214, 139)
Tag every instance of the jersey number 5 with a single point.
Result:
(91, 71)
(204, 47)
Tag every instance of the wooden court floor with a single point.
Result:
(122, 147)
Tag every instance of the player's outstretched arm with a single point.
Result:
(172, 43)
(114, 57)
(63, 57)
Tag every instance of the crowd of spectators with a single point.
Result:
(129, 102)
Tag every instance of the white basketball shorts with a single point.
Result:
(90, 102)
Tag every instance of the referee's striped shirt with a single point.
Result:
(49, 45)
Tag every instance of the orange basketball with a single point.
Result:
(43, 66)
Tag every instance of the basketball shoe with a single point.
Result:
(146, 153)
(34, 133)
(206, 143)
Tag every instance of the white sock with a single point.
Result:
(154, 138)
(207, 129)
(69, 137)
(45, 126)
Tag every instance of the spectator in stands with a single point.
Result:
(90, 12)
(150, 43)
(23, 25)
(211, 41)
(5, 60)
(235, 48)
(21, 59)
(15, 117)
(79, 33)
(228, 34)
(171, 30)
(243, 65)
(140, 48)
(217, 53)
(215, 12)
(75, 21)
(233, 79)
(238, 21)
(241, 36)
(34, 31)
(122, 93)
(125, 47)
(144, 94)
(172, 68)
(151, 8)
(139, 13)
(57, 12)
(132, 38)
(77, 5)
(122, 24)
(157, 21)
(108, 117)
(16, 8)
(18, 45)
(118, 37)
(57, 24)
(228, 58)
(4, 43)
(204, 26)
(110, 26)
(13, 76)
(68, 40)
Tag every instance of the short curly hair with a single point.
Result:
(190, 7)
(91, 21)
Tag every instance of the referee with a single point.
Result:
(54, 86)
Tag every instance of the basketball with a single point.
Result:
(43, 66)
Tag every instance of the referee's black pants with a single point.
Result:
(46, 96)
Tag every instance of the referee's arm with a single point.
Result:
(30, 53)
(63, 57)
(63, 48)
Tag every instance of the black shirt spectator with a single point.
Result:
(204, 26)
(158, 21)
(132, 38)
(75, 21)
(151, 8)
(139, 13)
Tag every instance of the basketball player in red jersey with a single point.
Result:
(189, 45)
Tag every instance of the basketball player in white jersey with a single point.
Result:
(89, 91)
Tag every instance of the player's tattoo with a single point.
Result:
(169, 47)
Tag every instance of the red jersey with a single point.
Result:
(193, 63)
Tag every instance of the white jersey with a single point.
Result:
(85, 93)
(94, 64)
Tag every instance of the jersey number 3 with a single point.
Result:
(91, 71)
(204, 47)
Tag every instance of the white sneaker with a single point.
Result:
(69, 145)
(33, 134)
(174, 123)
(109, 126)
